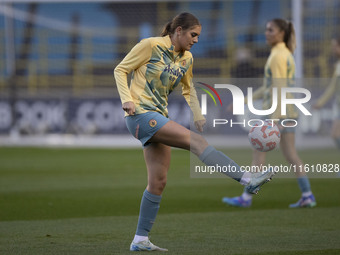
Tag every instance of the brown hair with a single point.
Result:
(185, 20)
(289, 36)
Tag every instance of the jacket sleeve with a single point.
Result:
(329, 92)
(278, 77)
(257, 94)
(189, 93)
(138, 56)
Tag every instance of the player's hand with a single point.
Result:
(199, 125)
(129, 107)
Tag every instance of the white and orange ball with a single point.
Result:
(264, 135)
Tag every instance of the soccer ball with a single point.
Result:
(264, 136)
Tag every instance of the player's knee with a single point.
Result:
(197, 143)
(186, 143)
(258, 160)
(157, 186)
(291, 159)
(162, 185)
(294, 160)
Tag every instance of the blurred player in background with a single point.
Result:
(333, 89)
(279, 72)
(159, 64)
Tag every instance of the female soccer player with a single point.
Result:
(279, 72)
(330, 91)
(159, 64)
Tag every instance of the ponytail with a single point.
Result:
(166, 29)
(289, 33)
(290, 37)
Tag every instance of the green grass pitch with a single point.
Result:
(86, 201)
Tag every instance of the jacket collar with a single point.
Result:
(280, 45)
(171, 47)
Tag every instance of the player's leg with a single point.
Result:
(175, 135)
(289, 151)
(336, 133)
(259, 159)
(157, 158)
(245, 200)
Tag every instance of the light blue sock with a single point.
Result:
(304, 184)
(247, 192)
(148, 211)
(337, 142)
(212, 157)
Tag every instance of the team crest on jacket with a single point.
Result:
(152, 123)
(184, 62)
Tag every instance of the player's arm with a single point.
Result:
(190, 95)
(138, 56)
(257, 94)
(329, 92)
(278, 69)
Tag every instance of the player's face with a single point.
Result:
(273, 34)
(336, 47)
(187, 38)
